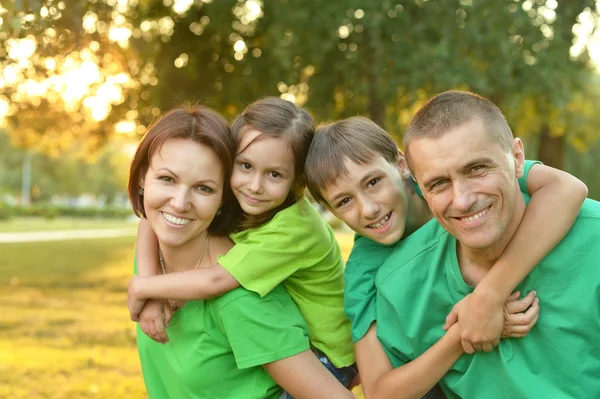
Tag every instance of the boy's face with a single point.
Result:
(371, 199)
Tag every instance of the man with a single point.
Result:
(466, 162)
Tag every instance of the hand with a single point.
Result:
(154, 319)
(521, 315)
(134, 304)
(481, 321)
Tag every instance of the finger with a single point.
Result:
(487, 346)
(514, 296)
(451, 318)
(160, 331)
(167, 314)
(496, 342)
(468, 348)
(522, 304)
(527, 317)
(152, 331)
(477, 347)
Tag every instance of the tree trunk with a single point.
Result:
(376, 102)
(551, 148)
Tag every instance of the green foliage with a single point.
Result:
(6, 212)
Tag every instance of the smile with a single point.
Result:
(381, 223)
(476, 216)
(175, 220)
(251, 200)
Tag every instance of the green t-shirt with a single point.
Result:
(560, 358)
(217, 347)
(366, 258)
(299, 250)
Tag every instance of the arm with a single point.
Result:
(550, 190)
(304, 377)
(146, 250)
(411, 380)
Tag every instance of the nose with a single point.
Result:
(463, 196)
(180, 200)
(255, 184)
(369, 208)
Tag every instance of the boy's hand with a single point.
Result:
(481, 322)
(134, 304)
(152, 322)
(521, 315)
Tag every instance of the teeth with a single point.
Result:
(378, 225)
(475, 217)
(176, 220)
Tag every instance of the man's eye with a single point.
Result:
(477, 168)
(438, 184)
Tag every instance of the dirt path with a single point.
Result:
(60, 235)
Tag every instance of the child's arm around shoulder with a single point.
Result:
(556, 198)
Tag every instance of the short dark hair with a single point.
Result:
(201, 125)
(450, 109)
(275, 117)
(356, 139)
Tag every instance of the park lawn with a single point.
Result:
(35, 223)
(65, 331)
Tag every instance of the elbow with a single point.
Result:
(581, 190)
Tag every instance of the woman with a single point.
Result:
(239, 345)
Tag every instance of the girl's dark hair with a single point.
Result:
(275, 117)
(203, 126)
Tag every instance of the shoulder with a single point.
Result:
(414, 251)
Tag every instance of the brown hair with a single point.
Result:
(356, 139)
(201, 125)
(275, 117)
(450, 109)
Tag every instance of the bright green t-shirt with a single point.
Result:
(297, 248)
(217, 347)
(559, 358)
(366, 258)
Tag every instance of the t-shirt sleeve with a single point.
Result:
(366, 258)
(263, 260)
(523, 179)
(264, 330)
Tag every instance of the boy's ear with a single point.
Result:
(403, 165)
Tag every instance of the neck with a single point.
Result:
(417, 210)
(476, 262)
(185, 257)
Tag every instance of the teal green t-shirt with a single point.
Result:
(366, 258)
(217, 347)
(299, 250)
(560, 358)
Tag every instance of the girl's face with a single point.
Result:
(183, 190)
(263, 173)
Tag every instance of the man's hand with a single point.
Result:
(521, 315)
(154, 318)
(134, 304)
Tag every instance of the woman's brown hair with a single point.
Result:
(275, 117)
(203, 126)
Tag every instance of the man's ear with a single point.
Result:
(518, 154)
(403, 165)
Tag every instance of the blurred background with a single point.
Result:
(81, 80)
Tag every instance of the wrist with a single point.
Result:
(489, 295)
(137, 287)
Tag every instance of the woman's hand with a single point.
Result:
(520, 315)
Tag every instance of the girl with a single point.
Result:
(282, 240)
(240, 345)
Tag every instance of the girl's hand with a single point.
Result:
(520, 315)
(154, 318)
(134, 304)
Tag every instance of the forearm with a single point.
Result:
(415, 379)
(146, 250)
(195, 284)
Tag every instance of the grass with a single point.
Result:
(65, 331)
(33, 223)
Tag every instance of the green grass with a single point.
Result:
(64, 327)
(33, 223)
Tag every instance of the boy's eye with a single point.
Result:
(343, 202)
(373, 182)
(167, 179)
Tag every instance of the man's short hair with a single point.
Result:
(356, 139)
(449, 110)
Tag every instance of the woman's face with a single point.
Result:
(183, 189)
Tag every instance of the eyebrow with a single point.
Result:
(175, 174)
(477, 161)
(277, 168)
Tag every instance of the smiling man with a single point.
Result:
(466, 162)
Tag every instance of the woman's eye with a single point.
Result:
(204, 189)
(167, 179)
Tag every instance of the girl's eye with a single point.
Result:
(274, 174)
(373, 182)
(343, 202)
(167, 179)
(246, 165)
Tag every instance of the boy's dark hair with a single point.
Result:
(203, 126)
(450, 109)
(275, 117)
(356, 139)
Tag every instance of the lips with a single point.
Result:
(176, 220)
(381, 223)
(251, 200)
(474, 217)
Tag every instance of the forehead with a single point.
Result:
(453, 149)
(187, 158)
(265, 150)
(354, 173)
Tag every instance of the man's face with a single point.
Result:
(370, 199)
(469, 182)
